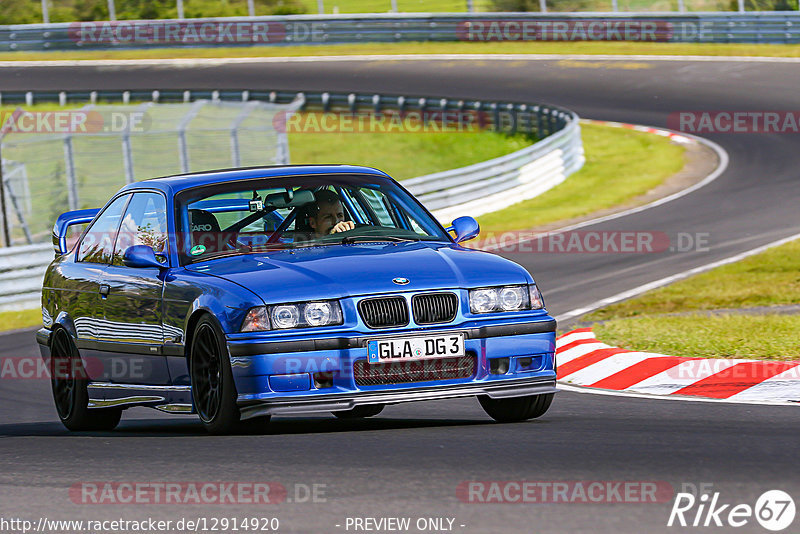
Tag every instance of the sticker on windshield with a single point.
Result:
(197, 250)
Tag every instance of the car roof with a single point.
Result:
(174, 184)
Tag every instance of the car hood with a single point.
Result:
(362, 269)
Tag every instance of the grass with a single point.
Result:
(767, 337)
(404, 155)
(15, 320)
(610, 177)
(768, 279)
(589, 48)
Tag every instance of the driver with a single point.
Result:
(326, 216)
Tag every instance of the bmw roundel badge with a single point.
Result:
(400, 281)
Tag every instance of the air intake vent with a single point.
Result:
(384, 312)
(434, 308)
(377, 374)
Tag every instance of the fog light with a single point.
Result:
(323, 380)
(498, 366)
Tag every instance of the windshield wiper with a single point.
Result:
(390, 238)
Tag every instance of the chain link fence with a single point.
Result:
(54, 161)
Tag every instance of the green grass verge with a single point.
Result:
(767, 337)
(404, 155)
(15, 320)
(591, 48)
(767, 279)
(610, 177)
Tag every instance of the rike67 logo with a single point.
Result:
(774, 510)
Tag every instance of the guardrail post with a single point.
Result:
(470, 6)
(681, 6)
(543, 6)
(45, 12)
(741, 6)
(180, 9)
(394, 6)
(614, 6)
(320, 7)
(251, 8)
(3, 218)
(112, 10)
(72, 184)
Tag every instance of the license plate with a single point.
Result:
(415, 348)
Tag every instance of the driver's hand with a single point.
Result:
(343, 227)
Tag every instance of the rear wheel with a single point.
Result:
(516, 409)
(360, 411)
(69, 380)
(213, 389)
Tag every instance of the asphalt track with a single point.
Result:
(409, 461)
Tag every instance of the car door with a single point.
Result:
(82, 280)
(132, 334)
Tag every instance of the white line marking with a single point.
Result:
(214, 61)
(673, 278)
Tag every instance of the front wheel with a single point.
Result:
(213, 389)
(69, 380)
(516, 409)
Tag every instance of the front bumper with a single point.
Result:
(335, 402)
(280, 376)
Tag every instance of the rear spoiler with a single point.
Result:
(64, 221)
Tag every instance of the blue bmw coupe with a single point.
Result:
(244, 293)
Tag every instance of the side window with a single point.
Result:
(98, 243)
(144, 223)
(378, 202)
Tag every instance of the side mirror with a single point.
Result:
(140, 256)
(466, 228)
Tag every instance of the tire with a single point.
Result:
(68, 381)
(360, 412)
(213, 390)
(516, 409)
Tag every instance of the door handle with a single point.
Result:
(104, 289)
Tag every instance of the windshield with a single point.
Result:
(295, 212)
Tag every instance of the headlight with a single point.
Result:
(505, 298)
(318, 313)
(293, 315)
(285, 316)
(483, 300)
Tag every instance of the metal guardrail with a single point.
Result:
(751, 27)
(21, 273)
(472, 190)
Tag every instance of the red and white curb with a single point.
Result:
(674, 136)
(584, 361)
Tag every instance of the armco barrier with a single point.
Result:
(752, 27)
(472, 190)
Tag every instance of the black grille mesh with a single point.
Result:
(384, 312)
(433, 308)
(378, 374)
